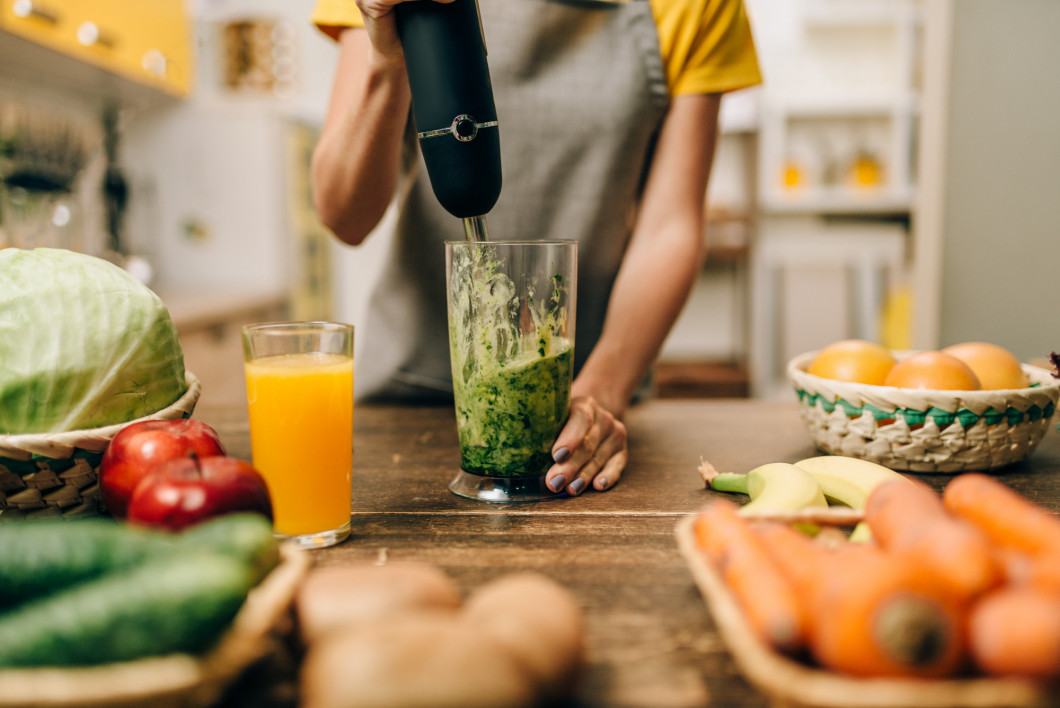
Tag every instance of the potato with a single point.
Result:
(417, 660)
(538, 621)
(332, 597)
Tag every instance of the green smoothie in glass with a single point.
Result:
(511, 349)
(509, 416)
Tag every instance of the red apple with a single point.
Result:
(139, 448)
(187, 490)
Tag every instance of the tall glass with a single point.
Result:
(511, 345)
(300, 399)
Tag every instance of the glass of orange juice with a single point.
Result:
(300, 400)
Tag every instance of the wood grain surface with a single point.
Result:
(652, 641)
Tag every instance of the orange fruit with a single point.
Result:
(932, 370)
(994, 366)
(854, 360)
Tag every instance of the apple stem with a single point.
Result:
(198, 464)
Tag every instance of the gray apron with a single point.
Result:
(581, 93)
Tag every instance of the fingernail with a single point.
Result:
(577, 485)
(560, 455)
(602, 483)
(557, 483)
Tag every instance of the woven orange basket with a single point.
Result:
(926, 431)
(56, 474)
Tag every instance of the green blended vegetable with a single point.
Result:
(508, 417)
(83, 344)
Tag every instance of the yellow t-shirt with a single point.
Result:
(706, 45)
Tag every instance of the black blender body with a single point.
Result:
(452, 103)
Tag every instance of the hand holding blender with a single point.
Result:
(444, 52)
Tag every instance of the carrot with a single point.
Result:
(1044, 572)
(871, 612)
(799, 557)
(1007, 517)
(709, 538)
(765, 595)
(874, 614)
(1015, 631)
(907, 517)
(1037, 570)
(1016, 565)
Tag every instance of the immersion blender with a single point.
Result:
(452, 106)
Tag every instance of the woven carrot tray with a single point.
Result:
(793, 684)
(174, 681)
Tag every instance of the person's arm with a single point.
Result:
(356, 162)
(658, 272)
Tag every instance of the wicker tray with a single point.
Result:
(175, 681)
(56, 474)
(925, 431)
(792, 684)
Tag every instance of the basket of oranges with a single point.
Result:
(972, 406)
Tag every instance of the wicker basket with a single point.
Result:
(55, 474)
(925, 431)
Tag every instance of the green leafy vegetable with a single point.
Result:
(83, 344)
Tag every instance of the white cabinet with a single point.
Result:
(838, 121)
(814, 283)
(836, 167)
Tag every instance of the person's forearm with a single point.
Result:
(356, 162)
(647, 298)
(664, 256)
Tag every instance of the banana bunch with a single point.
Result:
(806, 489)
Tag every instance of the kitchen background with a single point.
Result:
(897, 178)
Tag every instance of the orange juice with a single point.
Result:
(301, 431)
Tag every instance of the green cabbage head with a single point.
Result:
(83, 344)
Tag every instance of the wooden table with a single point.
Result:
(650, 635)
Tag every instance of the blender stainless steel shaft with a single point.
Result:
(452, 107)
(475, 228)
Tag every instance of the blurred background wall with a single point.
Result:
(989, 226)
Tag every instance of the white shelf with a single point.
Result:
(838, 200)
(854, 18)
(842, 14)
(847, 106)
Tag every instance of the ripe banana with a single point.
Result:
(846, 480)
(849, 481)
(776, 486)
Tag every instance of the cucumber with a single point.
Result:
(38, 558)
(180, 603)
(246, 536)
